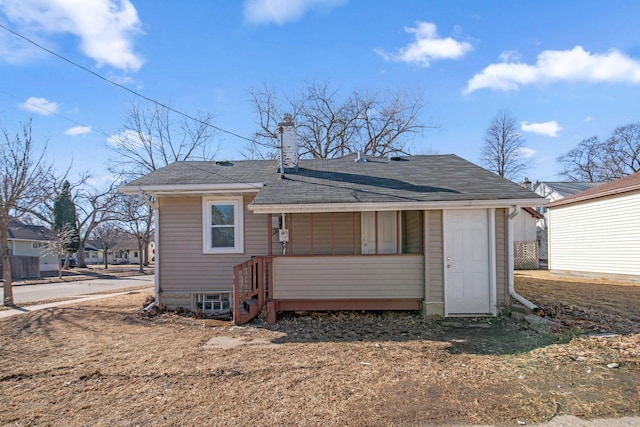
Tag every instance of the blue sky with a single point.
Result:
(566, 70)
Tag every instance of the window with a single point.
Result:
(222, 225)
(215, 303)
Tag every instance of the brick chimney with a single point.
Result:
(288, 153)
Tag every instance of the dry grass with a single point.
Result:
(101, 363)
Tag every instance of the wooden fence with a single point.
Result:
(23, 267)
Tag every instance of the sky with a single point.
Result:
(565, 70)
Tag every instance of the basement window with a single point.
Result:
(213, 303)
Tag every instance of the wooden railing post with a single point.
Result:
(250, 286)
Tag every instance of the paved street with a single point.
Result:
(47, 291)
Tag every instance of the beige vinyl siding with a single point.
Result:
(182, 265)
(434, 254)
(349, 277)
(502, 284)
(598, 236)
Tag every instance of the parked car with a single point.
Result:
(72, 262)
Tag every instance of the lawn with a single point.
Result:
(103, 363)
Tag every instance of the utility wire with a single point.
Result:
(124, 87)
(118, 139)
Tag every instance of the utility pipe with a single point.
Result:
(510, 262)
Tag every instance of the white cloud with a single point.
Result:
(106, 28)
(527, 153)
(427, 47)
(589, 119)
(509, 56)
(575, 65)
(126, 139)
(282, 11)
(550, 128)
(78, 130)
(39, 106)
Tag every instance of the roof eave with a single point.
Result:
(358, 207)
(191, 189)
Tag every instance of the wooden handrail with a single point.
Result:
(251, 281)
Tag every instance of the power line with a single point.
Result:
(124, 87)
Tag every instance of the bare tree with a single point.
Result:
(24, 177)
(107, 234)
(136, 217)
(151, 139)
(586, 161)
(624, 151)
(594, 160)
(94, 206)
(63, 238)
(503, 149)
(330, 126)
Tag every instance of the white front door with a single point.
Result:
(467, 279)
(387, 232)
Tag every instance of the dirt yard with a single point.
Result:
(102, 363)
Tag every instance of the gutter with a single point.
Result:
(156, 238)
(510, 261)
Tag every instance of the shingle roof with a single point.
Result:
(20, 231)
(619, 186)
(568, 188)
(342, 180)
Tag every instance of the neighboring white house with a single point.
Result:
(32, 240)
(125, 251)
(525, 240)
(553, 191)
(597, 232)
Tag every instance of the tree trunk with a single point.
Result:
(6, 262)
(81, 263)
(141, 253)
(106, 259)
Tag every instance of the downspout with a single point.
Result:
(510, 262)
(156, 238)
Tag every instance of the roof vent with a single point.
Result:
(360, 158)
(397, 159)
(223, 163)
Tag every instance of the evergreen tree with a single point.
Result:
(65, 221)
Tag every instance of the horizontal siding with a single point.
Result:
(601, 236)
(181, 263)
(349, 277)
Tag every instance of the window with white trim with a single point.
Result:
(222, 231)
(213, 303)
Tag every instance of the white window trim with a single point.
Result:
(238, 220)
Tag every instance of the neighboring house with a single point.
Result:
(126, 252)
(525, 239)
(123, 252)
(429, 233)
(33, 240)
(597, 232)
(553, 191)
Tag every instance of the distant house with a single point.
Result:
(431, 233)
(525, 239)
(124, 251)
(32, 240)
(596, 232)
(553, 191)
